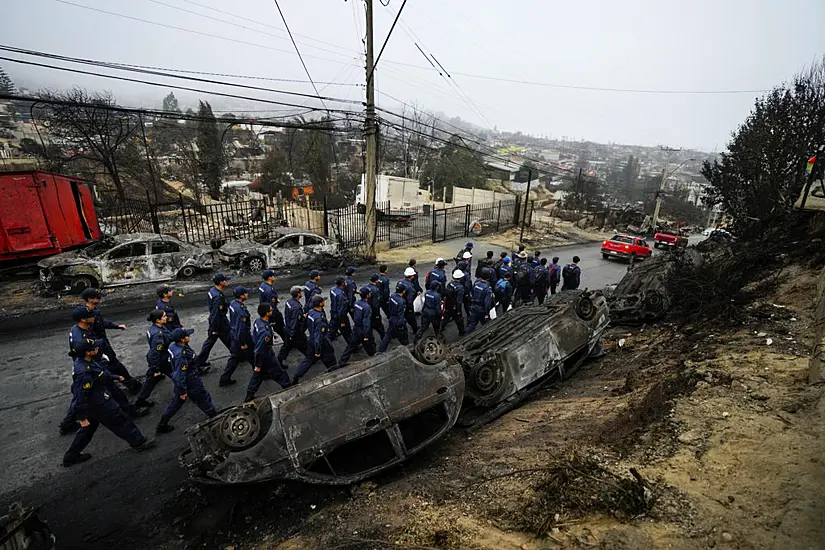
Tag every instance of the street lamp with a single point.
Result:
(665, 175)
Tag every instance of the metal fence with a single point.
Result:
(215, 223)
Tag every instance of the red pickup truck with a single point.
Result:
(626, 247)
(667, 239)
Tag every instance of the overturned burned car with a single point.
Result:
(524, 349)
(338, 428)
(21, 529)
(280, 247)
(643, 295)
(124, 260)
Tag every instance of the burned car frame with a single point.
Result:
(338, 428)
(123, 260)
(280, 247)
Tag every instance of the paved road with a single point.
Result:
(118, 493)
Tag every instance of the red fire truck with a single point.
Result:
(43, 214)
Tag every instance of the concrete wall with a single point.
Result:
(462, 196)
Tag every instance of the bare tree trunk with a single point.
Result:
(816, 366)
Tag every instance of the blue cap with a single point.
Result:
(268, 273)
(81, 348)
(400, 287)
(81, 312)
(219, 278)
(374, 277)
(240, 291)
(435, 285)
(90, 293)
(507, 260)
(469, 245)
(179, 333)
(314, 273)
(350, 270)
(364, 292)
(339, 280)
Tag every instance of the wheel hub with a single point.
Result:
(486, 378)
(431, 350)
(240, 428)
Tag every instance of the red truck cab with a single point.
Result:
(626, 247)
(667, 239)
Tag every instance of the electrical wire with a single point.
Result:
(386, 40)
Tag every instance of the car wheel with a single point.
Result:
(81, 283)
(655, 245)
(633, 258)
(430, 350)
(187, 272)
(606, 256)
(255, 264)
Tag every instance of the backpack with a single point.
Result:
(450, 293)
(540, 275)
(522, 275)
(568, 271)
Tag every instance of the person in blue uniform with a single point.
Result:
(503, 293)
(467, 282)
(431, 313)
(294, 325)
(218, 323)
(92, 298)
(571, 275)
(240, 336)
(555, 274)
(410, 295)
(268, 295)
(318, 347)
(522, 272)
(454, 302)
(385, 289)
(164, 304)
(80, 332)
(158, 336)
(397, 318)
(437, 274)
(350, 288)
(266, 363)
(361, 328)
(94, 405)
(375, 301)
(312, 289)
(339, 310)
(186, 379)
(505, 269)
(413, 264)
(482, 302)
(541, 281)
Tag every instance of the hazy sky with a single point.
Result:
(694, 45)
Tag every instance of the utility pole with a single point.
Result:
(658, 207)
(371, 131)
(526, 200)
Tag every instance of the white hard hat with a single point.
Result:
(458, 274)
(409, 272)
(467, 255)
(439, 260)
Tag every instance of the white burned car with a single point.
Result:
(124, 260)
(282, 247)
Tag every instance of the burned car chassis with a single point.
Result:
(353, 423)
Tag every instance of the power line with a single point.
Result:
(386, 40)
(162, 85)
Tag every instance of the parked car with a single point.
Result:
(280, 247)
(669, 239)
(627, 247)
(711, 230)
(338, 428)
(124, 260)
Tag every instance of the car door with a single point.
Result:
(126, 264)
(285, 251)
(165, 259)
(313, 244)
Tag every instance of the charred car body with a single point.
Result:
(278, 248)
(642, 295)
(123, 260)
(526, 348)
(334, 429)
(21, 529)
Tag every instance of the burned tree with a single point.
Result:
(90, 127)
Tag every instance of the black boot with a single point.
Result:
(249, 397)
(76, 459)
(140, 402)
(138, 412)
(223, 382)
(163, 426)
(132, 385)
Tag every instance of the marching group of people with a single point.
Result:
(356, 315)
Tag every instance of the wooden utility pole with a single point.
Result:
(526, 201)
(371, 131)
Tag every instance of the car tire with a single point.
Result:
(606, 256)
(255, 263)
(81, 283)
(187, 272)
(633, 258)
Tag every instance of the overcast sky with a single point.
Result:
(659, 45)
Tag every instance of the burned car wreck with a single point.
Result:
(278, 248)
(338, 428)
(124, 259)
(526, 348)
(22, 529)
(643, 295)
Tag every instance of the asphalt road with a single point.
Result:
(119, 495)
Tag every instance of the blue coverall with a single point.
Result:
(361, 332)
(398, 326)
(239, 334)
(318, 344)
(187, 382)
(218, 324)
(482, 303)
(263, 334)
